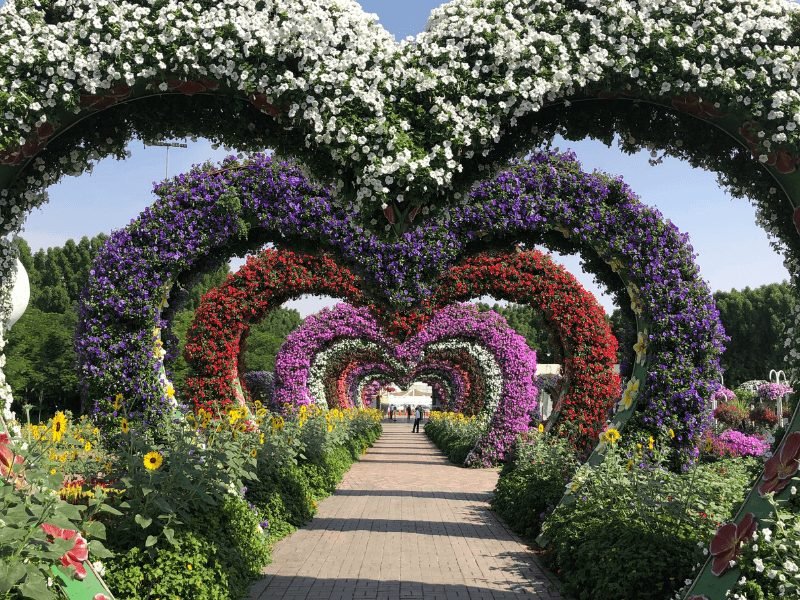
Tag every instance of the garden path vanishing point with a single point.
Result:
(406, 524)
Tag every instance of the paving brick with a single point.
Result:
(405, 524)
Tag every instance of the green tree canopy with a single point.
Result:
(756, 321)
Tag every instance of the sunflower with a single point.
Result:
(124, 426)
(153, 460)
(610, 436)
(59, 426)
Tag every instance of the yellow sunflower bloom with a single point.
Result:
(611, 436)
(124, 426)
(58, 426)
(541, 427)
(153, 460)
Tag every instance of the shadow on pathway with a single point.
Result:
(405, 524)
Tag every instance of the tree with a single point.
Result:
(41, 361)
(756, 321)
(531, 324)
(267, 337)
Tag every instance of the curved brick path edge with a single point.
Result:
(406, 524)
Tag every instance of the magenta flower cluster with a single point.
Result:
(737, 444)
(772, 391)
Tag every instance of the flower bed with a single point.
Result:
(188, 515)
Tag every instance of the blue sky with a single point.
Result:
(732, 251)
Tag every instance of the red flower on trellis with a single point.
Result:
(779, 470)
(224, 316)
(727, 541)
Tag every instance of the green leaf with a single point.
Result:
(35, 587)
(164, 505)
(10, 575)
(8, 534)
(109, 509)
(169, 533)
(150, 541)
(95, 529)
(142, 521)
(98, 550)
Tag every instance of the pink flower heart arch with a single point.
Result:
(503, 361)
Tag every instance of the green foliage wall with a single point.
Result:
(530, 323)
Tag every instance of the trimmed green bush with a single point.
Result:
(532, 482)
(636, 529)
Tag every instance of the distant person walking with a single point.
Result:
(417, 419)
(408, 413)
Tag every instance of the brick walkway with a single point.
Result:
(405, 524)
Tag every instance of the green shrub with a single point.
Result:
(635, 529)
(189, 569)
(216, 559)
(454, 434)
(532, 482)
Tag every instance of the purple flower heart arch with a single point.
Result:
(207, 215)
(505, 363)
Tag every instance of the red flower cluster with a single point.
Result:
(589, 346)
(223, 318)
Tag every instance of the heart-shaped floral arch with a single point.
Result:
(83, 77)
(221, 212)
(527, 277)
(504, 362)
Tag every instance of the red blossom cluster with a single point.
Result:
(223, 318)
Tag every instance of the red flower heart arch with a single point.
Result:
(266, 281)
